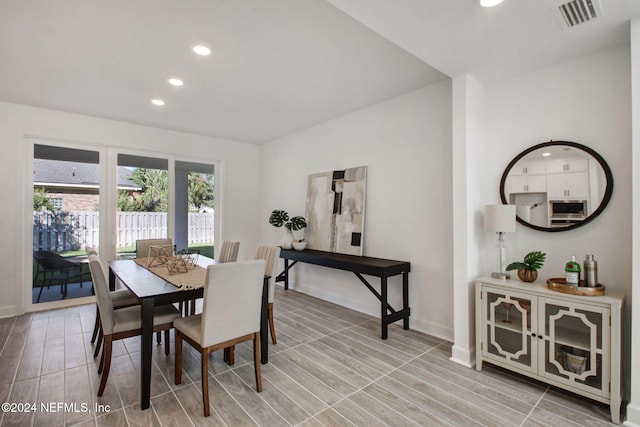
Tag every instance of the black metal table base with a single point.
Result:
(359, 265)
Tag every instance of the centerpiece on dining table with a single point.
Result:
(183, 260)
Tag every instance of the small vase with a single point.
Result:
(287, 238)
(298, 235)
(527, 275)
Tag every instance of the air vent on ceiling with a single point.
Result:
(578, 12)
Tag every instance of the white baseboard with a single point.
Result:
(633, 415)
(420, 325)
(462, 356)
(8, 311)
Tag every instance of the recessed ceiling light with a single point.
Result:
(490, 3)
(175, 81)
(158, 102)
(201, 50)
(546, 154)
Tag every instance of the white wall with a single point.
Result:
(633, 409)
(406, 144)
(588, 101)
(468, 162)
(237, 190)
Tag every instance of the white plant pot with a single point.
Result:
(298, 234)
(287, 238)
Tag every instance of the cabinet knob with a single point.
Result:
(533, 335)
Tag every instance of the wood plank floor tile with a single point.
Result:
(277, 399)
(53, 356)
(74, 351)
(159, 384)
(112, 419)
(78, 392)
(468, 385)
(477, 407)
(190, 398)
(226, 406)
(22, 392)
(379, 410)
(357, 415)
(250, 400)
(329, 417)
(332, 365)
(329, 368)
(170, 412)
(136, 417)
(353, 363)
(377, 358)
(55, 327)
(433, 403)
(38, 330)
(6, 325)
(9, 361)
(292, 389)
(335, 380)
(31, 361)
(568, 414)
(50, 392)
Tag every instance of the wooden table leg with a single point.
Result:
(405, 299)
(147, 305)
(383, 313)
(264, 323)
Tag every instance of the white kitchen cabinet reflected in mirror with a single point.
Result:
(557, 185)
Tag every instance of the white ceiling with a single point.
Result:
(277, 66)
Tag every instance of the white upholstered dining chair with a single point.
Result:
(230, 315)
(270, 254)
(143, 245)
(121, 298)
(229, 251)
(142, 251)
(122, 323)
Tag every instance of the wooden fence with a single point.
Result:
(63, 231)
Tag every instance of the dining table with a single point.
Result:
(152, 290)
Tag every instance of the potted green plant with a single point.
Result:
(528, 268)
(295, 227)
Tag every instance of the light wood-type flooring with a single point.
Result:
(329, 368)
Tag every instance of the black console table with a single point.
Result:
(359, 265)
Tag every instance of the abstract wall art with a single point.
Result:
(335, 210)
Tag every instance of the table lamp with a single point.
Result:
(500, 219)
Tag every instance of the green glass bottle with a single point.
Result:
(572, 272)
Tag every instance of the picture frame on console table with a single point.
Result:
(335, 211)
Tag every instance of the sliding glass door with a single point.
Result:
(65, 221)
(142, 205)
(194, 213)
(108, 199)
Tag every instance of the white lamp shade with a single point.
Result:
(500, 218)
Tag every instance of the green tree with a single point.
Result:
(40, 200)
(200, 190)
(152, 196)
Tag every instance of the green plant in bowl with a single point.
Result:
(528, 268)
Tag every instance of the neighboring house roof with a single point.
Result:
(58, 173)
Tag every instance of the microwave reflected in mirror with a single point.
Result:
(557, 186)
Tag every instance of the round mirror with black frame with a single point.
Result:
(557, 186)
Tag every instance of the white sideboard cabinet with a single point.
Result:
(570, 341)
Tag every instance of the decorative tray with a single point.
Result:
(559, 285)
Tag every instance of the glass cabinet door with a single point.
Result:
(507, 328)
(574, 348)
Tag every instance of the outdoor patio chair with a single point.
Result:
(55, 271)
